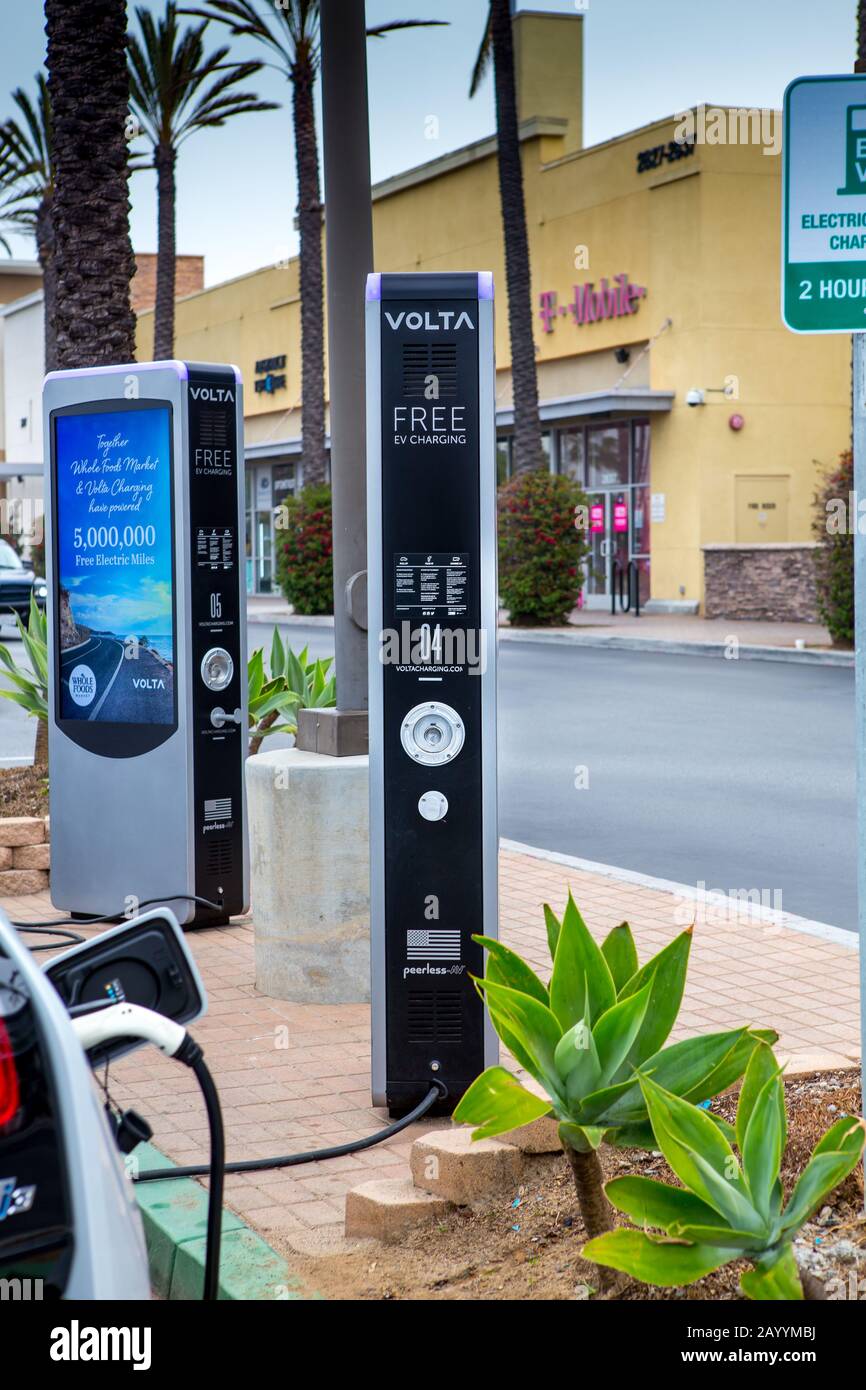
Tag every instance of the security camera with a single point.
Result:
(695, 396)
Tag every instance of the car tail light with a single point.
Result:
(10, 1094)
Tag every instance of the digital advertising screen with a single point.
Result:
(114, 574)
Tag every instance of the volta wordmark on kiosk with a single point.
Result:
(431, 512)
(147, 717)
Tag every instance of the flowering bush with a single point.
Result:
(834, 558)
(541, 551)
(305, 570)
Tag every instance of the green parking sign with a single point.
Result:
(824, 205)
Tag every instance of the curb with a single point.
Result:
(703, 898)
(174, 1214)
(746, 651)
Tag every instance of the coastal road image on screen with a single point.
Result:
(115, 598)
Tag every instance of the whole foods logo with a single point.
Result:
(82, 685)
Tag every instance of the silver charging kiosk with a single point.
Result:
(147, 639)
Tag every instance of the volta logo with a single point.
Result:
(426, 321)
(212, 393)
(82, 685)
(148, 683)
(14, 1199)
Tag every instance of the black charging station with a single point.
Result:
(431, 512)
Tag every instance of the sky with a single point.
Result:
(644, 59)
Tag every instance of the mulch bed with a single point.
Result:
(23, 791)
(526, 1244)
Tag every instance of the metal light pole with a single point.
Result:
(349, 258)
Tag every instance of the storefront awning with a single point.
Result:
(638, 400)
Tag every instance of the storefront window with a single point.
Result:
(607, 452)
(284, 482)
(503, 460)
(641, 488)
(249, 522)
(572, 455)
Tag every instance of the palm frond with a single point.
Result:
(176, 87)
(26, 158)
(378, 31)
(483, 57)
(271, 26)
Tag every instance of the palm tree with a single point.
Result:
(88, 87)
(27, 181)
(175, 90)
(289, 31)
(498, 44)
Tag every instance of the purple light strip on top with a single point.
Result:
(374, 286)
(485, 284)
(128, 367)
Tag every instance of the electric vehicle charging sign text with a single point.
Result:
(115, 590)
(824, 205)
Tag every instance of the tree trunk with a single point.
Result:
(527, 429)
(88, 86)
(45, 253)
(40, 752)
(258, 735)
(163, 314)
(595, 1209)
(312, 311)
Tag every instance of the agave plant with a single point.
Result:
(728, 1208)
(29, 685)
(582, 1038)
(293, 683)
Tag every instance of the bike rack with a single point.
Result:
(625, 586)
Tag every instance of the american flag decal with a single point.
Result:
(219, 808)
(433, 945)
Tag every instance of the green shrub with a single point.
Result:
(541, 550)
(728, 1208)
(582, 1039)
(29, 684)
(292, 683)
(834, 558)
(305, 569)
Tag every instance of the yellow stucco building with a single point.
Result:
(669, 387)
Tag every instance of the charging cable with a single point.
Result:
(438, 1091)
(111, 916)
(133, 1021)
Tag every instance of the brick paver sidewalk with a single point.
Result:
(296, 1077)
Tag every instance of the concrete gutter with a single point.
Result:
(174, 1213)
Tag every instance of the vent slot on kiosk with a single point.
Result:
(421, 361)
(435, 1017)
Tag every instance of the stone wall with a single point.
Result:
(25, 855)
(774, 583)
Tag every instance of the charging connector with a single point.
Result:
(130, 1021)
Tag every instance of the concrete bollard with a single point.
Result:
(309, 876)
